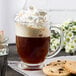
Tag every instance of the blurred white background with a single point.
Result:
(60, 11)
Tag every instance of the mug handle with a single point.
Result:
(50, 54)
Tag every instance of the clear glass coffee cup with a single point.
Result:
(33, 43)
(3, 55)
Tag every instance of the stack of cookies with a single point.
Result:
(60, 68)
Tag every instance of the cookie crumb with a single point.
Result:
(58, 61)
(55, 65)
(61, 69)
(52, 71)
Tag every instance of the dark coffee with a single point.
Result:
(32, 50)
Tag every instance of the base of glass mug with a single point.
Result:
(30, 67)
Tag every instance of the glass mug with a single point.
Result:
(33, 45)
(3, 55)
(34, 50)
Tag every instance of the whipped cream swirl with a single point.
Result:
(32, 16)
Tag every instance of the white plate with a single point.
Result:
(14, 65)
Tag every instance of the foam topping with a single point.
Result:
(24, 31)
(32, 23)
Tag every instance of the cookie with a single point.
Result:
(71, 66)
(56, 69)
(57, 63)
